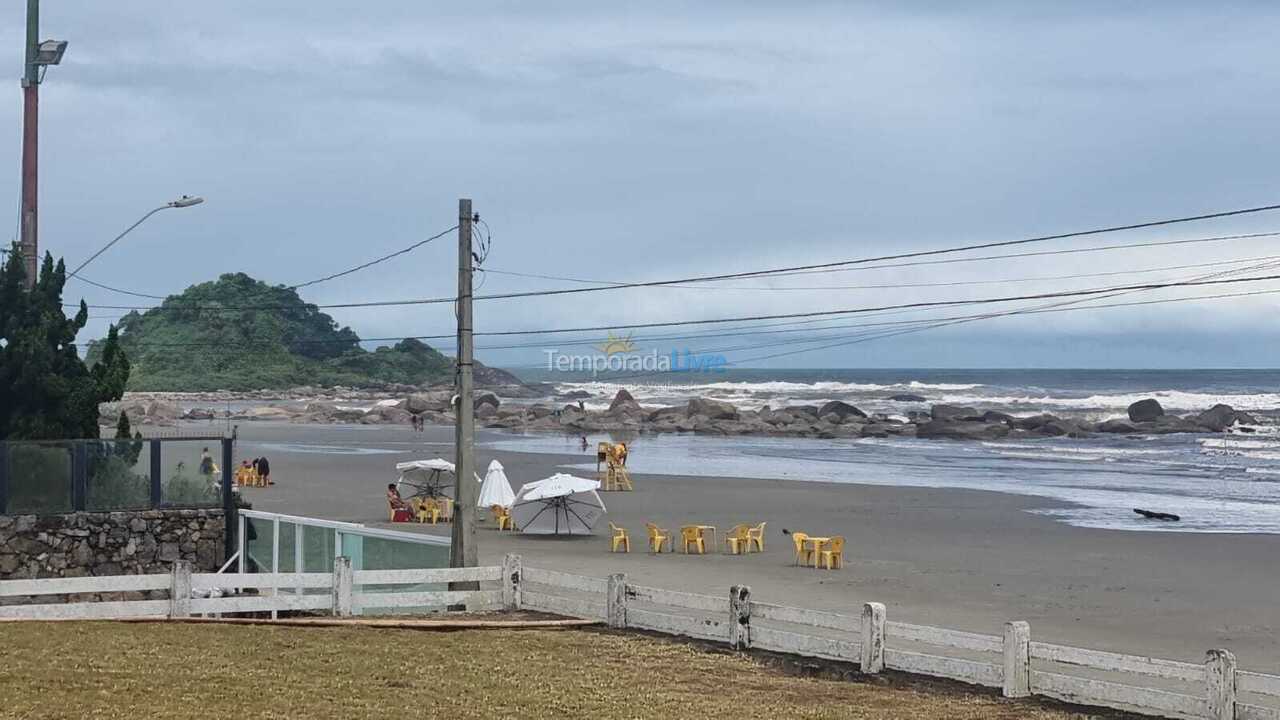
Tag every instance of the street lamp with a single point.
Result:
(38, 57)
(185, 201)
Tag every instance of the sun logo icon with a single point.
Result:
(614, 344)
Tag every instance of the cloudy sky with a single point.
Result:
(638, 141)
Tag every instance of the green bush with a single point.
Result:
(112, 484)
(184, 489)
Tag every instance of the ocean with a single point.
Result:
(1227, 483)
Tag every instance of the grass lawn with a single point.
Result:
(117, 670)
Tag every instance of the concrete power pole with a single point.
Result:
(30, 143)
(463, 551)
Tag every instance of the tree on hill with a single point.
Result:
(46, 391)
(238, 333)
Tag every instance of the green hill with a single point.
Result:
(207, 339)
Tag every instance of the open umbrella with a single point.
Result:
(427, 477)
(496, 489)
(560, 505)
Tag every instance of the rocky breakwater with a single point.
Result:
(116, 543)
(838, 419)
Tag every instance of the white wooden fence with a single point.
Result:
(1013, 662)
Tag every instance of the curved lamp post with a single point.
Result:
(185, 201)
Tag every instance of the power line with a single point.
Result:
(308, 283)
(508, 296)
(949, 261)
(833, 313)
(373, 262)
(926, 253)
(962, 283)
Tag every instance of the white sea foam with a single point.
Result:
(1234, 444)
(1171, 400)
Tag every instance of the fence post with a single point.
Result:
(872, 637)
(616, 601)
(740, 617)
(228, 500)
(342, 581)
(4, 477)
(1220, 675)
(157, 491)
(512, 575)
(1017, 659)
(180, 589)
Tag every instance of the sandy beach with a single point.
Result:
(955, 558)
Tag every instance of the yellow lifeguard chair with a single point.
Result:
(615, 476)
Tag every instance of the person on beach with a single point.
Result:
(264, 471)
(207, 467)
(585, 444)
(394, 499)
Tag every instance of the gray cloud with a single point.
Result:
(643, 140)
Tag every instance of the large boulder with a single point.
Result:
(390, 414)
(907, 397)
(1145, 410)
(841, 410)
(268, 412)
(1166, 424)
(953, 412)
(712, 409)
(1060, 428)
(1220, 417)
(432, 401)
(624, 403)
(666, 413)
(962, 430)
(1034, 422)
(993, 416)
(487, 399)
(576, 395)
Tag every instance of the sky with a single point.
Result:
(632, 141)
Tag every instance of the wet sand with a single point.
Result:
(955, 558)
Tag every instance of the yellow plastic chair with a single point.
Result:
(755, 536)
(502, 516)
(429, 511)
(803, 554)
(658, 536)
(833, 555)
(692, 535)
(620, 538)
(738, 539)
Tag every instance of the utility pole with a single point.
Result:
(39, 56)
(462, 553)
(30, 142)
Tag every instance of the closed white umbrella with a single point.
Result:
(560, 505)
(496, 489)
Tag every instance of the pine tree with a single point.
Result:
(46, 391)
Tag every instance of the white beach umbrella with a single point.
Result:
(426, 477)
(560, 505)
(496, 489)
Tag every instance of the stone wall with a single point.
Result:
(117, 543)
